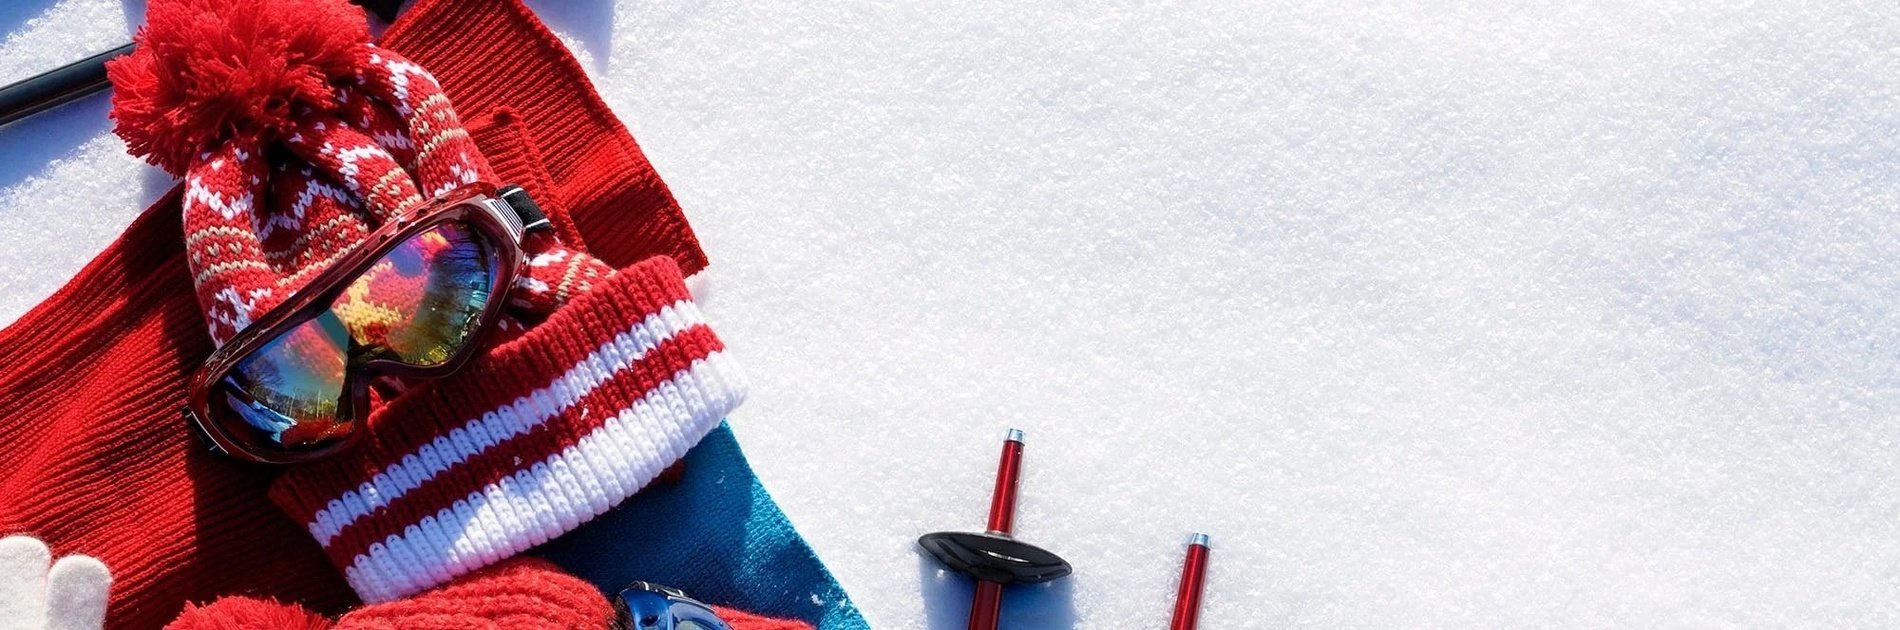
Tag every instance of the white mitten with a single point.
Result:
(39, 594)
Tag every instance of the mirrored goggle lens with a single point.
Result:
(420, 303)
(417, 305)
(640, 609)
(290, 394)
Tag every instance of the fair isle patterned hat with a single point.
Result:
(295, 138)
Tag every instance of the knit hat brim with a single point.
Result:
(471, 470)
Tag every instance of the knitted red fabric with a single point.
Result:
(248, 613)
(523, 593)
(92, 380)
(623, 214)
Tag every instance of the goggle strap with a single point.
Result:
(532, 218)
(198, 431)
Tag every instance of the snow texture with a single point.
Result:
(1433, 314)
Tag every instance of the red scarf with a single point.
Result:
(99, 458)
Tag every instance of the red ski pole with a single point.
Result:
(987, 606)
(1187, 600)
(994, 558)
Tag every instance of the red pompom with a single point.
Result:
(206, 72)
(244, 613)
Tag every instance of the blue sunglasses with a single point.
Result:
(649, 606)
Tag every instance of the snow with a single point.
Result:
(1431, 314)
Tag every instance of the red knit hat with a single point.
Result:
(291, 133)
(295, 137)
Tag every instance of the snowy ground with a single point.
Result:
(1433, 314)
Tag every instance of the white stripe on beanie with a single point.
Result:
(498, 425)
(550, 497)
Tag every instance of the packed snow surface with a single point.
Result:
(1432, 314)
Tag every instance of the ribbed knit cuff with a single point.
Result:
(533, 438)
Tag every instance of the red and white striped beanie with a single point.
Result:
(296, 137)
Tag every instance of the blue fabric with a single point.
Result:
(716, 535)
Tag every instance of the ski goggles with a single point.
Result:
(649, 606)
(412, 301)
